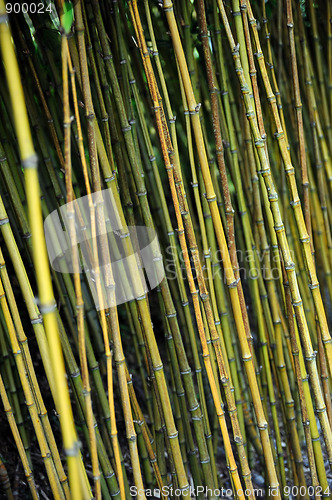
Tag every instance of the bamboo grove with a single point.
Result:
(208, 122)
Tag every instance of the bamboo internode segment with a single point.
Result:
(166, 249)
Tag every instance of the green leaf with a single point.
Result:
(67, 16)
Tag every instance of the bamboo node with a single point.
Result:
(36, 321)
(168, 9)
(235, 50)
(109, 179)
(3, 158)
(263, 426)
(157, 368)
(30, 162)
(259, 55)
(170, 315)
(4, 221)
(4, 18)
(199, 417)
(305, 239)
(245, 89)
(321, 410)
(126, 129)
(109, 476)
(250, 115)
(232, 470)
(124, 235)
(173, 436)
(234, 283)
(211, 199)
(259, 143)
(143, 193)
(73, 451)
(196, 110)
(279, 229)
(184, 488)
(47, 308)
